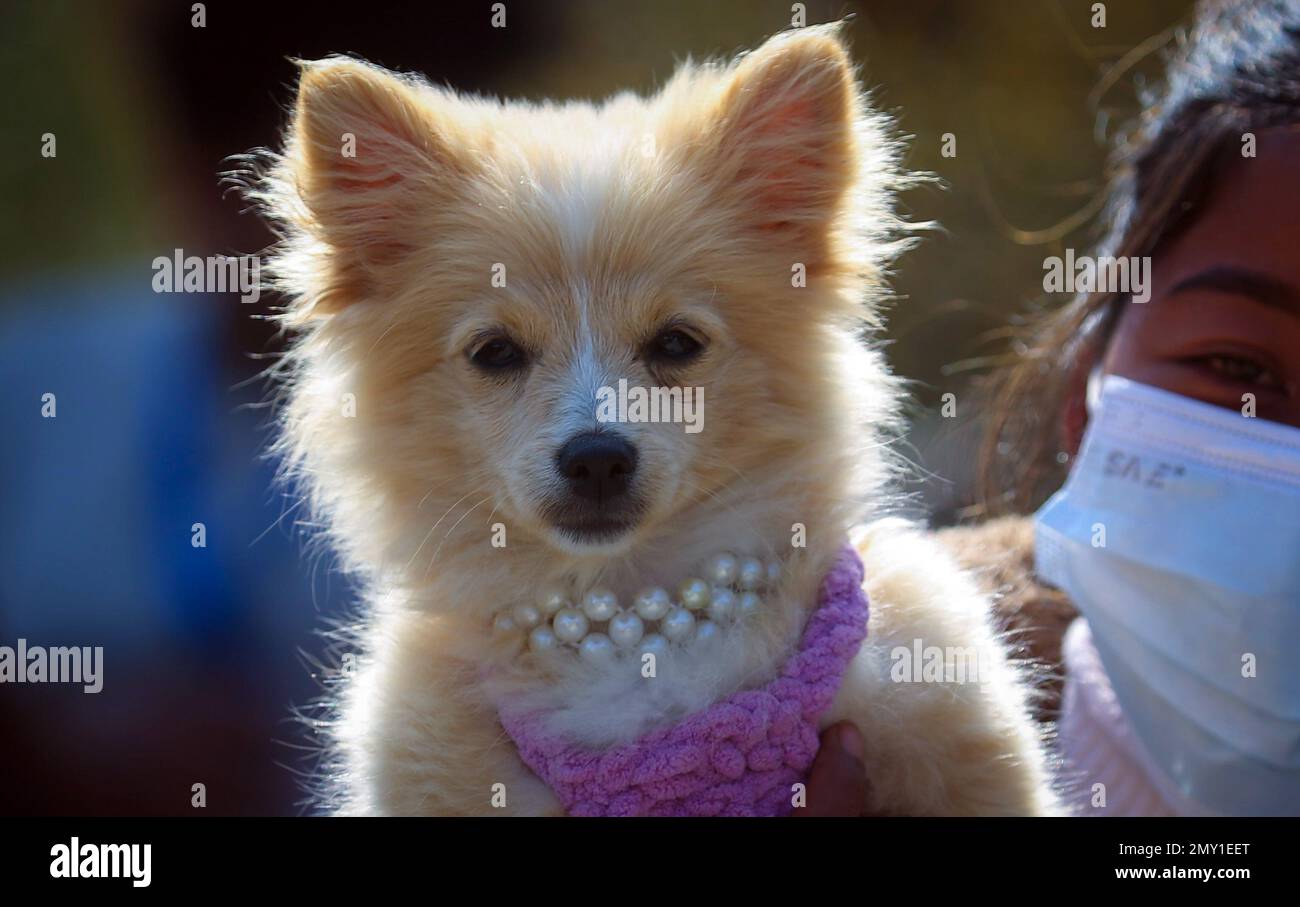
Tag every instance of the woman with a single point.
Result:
(1176, 534)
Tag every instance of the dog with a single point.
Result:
(464, 279)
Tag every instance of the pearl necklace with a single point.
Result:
(599, 629)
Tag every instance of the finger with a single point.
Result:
(837, 783)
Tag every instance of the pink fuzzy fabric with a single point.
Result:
(738, 757)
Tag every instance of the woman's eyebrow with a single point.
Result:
(1256, 285)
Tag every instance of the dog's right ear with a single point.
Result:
(369, 152)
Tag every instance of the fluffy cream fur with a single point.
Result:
(608, 222)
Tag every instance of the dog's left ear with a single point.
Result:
(782, 147)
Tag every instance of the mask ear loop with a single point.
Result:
(1092, 396)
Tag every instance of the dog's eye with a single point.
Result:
(675, 345)
(497, 354)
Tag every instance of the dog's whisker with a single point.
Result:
(429, 534)
(278, 520)
(447, 535)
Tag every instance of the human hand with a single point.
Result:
(837, 782)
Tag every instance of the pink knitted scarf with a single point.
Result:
(738, 757)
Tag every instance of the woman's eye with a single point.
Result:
(498, 354)
(675, 345)
(1240, 369)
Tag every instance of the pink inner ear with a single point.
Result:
(361, 200)
(786, 164)
(364, 181)
(382, 160)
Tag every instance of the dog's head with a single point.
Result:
(575, 322)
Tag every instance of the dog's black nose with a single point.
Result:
(597, 465)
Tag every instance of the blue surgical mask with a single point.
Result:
(1177, 535)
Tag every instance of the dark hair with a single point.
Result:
(1238, 73)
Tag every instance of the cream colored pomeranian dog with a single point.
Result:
(469, 280)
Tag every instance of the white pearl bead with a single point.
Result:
(653, 604)
(752, 572)
(527, 616)
(773, 572)
(722, 606)
(655, 645)
(542, 639)
(678, 625)
(600, 605)
(552, 600)
(503, 624)
(748, 603)
(695, 594)
(570, 625)
(706, 632)
(722, 569)
(626, 630)
(596, 648)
